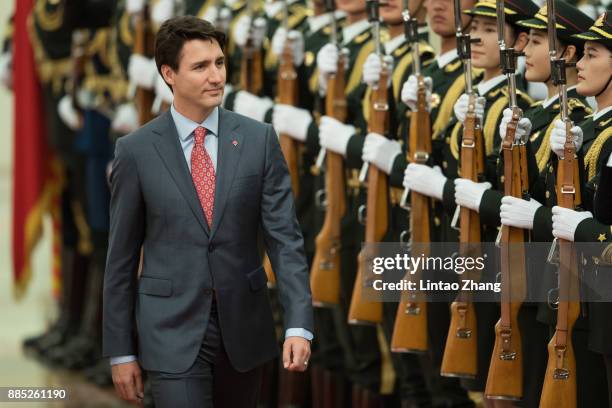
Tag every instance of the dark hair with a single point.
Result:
(175, 32)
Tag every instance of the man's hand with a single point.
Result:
(296, 353)
(128, 382)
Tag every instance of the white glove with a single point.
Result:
(565, 222)
(6, 73)
(519, 213)
(469, 194)
(609, 163)
(162, 11)
(297, 44)
(461, 107)
(425, 180)
(380, 151)
(291, 121)
(134, 6)
(523, 128)
(372, 68)
(70, 116)
(334, 135)
(327, 63)
(242, 27)
(163, 91)
(126, 119)
(142, 71)
(252, 106)
(557, 137)
(410, 91)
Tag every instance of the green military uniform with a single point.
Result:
(597, 147)
(448, 84)
(542, 181)
(411, 385)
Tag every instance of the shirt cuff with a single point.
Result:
(122, 359)
(299, 333)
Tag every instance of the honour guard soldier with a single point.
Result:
(593, 225)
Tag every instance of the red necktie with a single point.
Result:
(203, 174)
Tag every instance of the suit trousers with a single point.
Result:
(211, 381)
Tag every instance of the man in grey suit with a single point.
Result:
(194, 188)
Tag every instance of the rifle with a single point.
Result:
(251, 65)
(460, 357)
(559, 389)
(287, 94)
(325, 272)
(505, 377)
(362, 311)
(410, 329)
(144, 45)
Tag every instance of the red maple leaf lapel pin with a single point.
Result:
(234, 143)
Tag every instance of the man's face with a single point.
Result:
(391, 10)
(351, 6)
(200, 77)
(441, 14)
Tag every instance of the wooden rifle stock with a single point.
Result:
(143, 45)
(559, 388)
(362, 311)
(251, 65)
(460, 355)
(288, 95)
(505, 377)
(410, 328)
(325, 270)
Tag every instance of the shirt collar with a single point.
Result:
(486, 86)
(602, 112)
(552, 99)
(446, 58)
(351, 31)
(185, 127)
(394, 43)
(315, 23)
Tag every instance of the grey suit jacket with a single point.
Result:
(162, 316)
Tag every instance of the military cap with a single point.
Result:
(515, 10)
(570, 21)
(601, 31)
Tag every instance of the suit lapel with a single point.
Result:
(169, 148)
(228, 158)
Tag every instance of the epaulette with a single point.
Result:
(361, 38)
(297, 14)
(604, 123)
(453, 66)
(536, 104)
(238, 5)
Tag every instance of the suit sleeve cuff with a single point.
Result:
(122, 359)
(542, 225)
(296, 332)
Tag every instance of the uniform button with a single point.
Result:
(211, 247)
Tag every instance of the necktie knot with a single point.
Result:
(199, 135)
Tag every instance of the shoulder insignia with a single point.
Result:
(362, 37)
(453, 66)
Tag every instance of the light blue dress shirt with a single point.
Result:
(186, 128)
